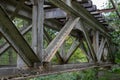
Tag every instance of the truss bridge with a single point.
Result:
(77, 20)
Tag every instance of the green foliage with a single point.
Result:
(116, 40)
(88, 74)
(5, 58)
(78, 56)
(52, 33)
(20, 22)
(65, 76)
(2, 40)
(82, 75)
(114, 22)
(116, 37)
(28, 38)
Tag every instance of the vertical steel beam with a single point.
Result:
(38, 22)
(101, 49)
(6, 46)
(105, 54)
(96, 41)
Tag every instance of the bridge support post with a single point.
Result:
(37, 29)
(96, 41)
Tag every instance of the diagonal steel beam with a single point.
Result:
(6, 46)
(59, 39)
(62, 50)
(37, 29)
(86, 51)
(13, 36)
(89, 43)
(60, 59)
(101, 48)
(72, 49)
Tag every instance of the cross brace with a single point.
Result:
(59, 39)
(10, 32)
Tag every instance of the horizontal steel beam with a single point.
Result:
(20, 74)
(106, 10)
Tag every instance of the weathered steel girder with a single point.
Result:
(14, 73)
(76, 18)
(26, 12)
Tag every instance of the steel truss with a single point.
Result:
(75, 18)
